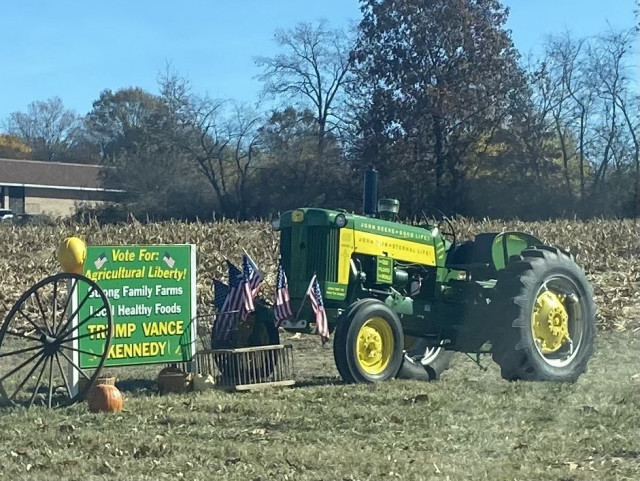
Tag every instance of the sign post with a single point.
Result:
(152, 293)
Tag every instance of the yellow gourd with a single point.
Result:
(71, 253)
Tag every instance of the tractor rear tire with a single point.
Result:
(368, 344)
(544, 311)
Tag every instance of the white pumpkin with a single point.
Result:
(203, 383)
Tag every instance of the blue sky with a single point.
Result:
(75, 49)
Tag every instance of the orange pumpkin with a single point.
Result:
(104, 398)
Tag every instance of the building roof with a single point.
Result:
(54, 175)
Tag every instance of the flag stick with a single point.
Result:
(300, 309)
(305, 297)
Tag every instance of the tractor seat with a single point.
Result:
(473, 255)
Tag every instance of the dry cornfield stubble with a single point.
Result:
(608, 250)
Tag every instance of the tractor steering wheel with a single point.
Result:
(449, 232)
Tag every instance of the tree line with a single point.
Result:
(433, 94)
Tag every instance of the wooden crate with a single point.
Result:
(248, 368)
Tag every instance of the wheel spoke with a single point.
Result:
(74, 365)
(50, 383)
(80, 306)
(38, 384)
(68, 300)
(82, 323)
(44, 317)
(20, 351)
(28, 319)
(55, 308)
(23, 336)
(88, 353)
(24, 381)
(23, 364)
(81, 337)
(64, 376)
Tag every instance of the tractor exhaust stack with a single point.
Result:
(370, 201)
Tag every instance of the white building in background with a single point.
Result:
(51, 188)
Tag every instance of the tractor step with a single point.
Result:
(411, 369)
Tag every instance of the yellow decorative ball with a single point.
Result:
(71, 254)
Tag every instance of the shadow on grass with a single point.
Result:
(142, 387)
(137, 386)
(318, 381)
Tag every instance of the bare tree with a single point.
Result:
(223, 143)
(205, 140)
(313, 67)
(219, 137)
(619, 107)
(593, 112)
(244, 129)
(47, 127)
(573, 102)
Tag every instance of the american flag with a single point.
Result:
(239, 303)
(252, 273)
(220, 292)
(282, 309)
(322, 324)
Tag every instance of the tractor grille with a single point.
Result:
(285, 250)
(322, 253)
(333, 243)
(308, 250)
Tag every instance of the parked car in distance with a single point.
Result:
(40, 219)
(6, 215)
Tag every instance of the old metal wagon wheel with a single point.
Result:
(40, 336)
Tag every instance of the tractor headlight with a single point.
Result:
(297, 215)
(341, 221)
(275, 223)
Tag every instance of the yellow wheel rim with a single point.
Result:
(550, 322)
(374, 345)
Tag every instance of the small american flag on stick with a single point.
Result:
(238, 303)
(282, 309)
(220, 292)
(322, 324)
(252, 274)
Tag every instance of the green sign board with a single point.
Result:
(333, 290)
(151, 291)
(384, 271)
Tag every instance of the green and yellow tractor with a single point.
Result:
(401, 299)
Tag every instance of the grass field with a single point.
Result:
(469, 425)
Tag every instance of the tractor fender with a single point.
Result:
(496, 248)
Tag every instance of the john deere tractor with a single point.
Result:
(400, 297)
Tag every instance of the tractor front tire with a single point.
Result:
(368, 344)
(545, 317)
